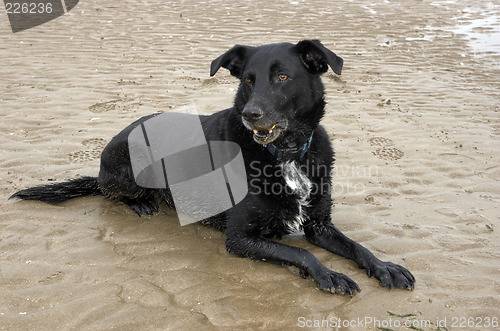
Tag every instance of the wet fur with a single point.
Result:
(251, 225)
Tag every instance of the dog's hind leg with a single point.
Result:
(143, 205)
(117, 181)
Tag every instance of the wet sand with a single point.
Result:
(414, 119)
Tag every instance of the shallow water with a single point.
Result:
(480, 24)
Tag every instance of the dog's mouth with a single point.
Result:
(266, 135)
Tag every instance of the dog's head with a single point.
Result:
(281, 91)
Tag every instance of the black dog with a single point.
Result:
(288, 158)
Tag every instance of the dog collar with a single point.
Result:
(279, 152)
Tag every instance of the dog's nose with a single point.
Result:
(252, 114)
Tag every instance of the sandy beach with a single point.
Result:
(414, 119)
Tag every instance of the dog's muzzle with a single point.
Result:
(264, 131)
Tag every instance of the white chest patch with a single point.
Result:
(299, 184)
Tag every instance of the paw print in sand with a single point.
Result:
(381, 141)
(123, 105)
(385, 152)
(388, 153)
(94, 148)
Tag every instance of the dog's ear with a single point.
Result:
(316, 57)
(233, 60)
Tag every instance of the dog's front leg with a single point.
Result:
(327, 236)
(259, 248)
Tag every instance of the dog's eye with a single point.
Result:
(282, 77)
(249, 80)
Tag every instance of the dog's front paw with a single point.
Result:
(330, 281)
(392, 275)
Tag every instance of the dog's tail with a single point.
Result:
(59, 192)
